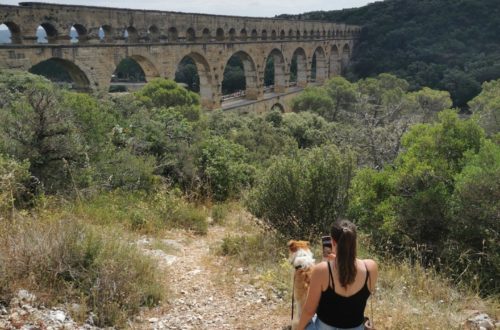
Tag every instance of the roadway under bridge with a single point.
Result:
(159, 41)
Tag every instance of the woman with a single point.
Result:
(339, 287)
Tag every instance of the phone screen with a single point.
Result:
(327, 245)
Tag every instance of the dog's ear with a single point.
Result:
(292, 245)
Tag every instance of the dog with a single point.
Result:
(302, 260)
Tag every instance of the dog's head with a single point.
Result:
(301, 256)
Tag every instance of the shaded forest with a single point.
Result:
(451, 45)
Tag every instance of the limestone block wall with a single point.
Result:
(158, 41)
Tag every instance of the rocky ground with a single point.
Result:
(206, 293)
(24, 312)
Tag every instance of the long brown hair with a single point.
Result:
(344, 233)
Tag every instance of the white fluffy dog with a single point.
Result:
(302, 260)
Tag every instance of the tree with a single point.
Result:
(167, 93)
(301, 195)
(407, 204)
(486, 107)
(223, 168)
(36, 127)
(315, 100)
(475, 219)
(373, 113)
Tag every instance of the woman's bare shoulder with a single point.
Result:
(321, 267)
(370, 264)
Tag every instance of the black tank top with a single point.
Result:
(339, 311)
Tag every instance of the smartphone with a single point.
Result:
(327, 245)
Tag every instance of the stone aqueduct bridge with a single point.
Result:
(158, 41)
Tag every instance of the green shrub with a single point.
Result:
(302, 195)
(119, 168)
(473, 251)
(36, 126)
(223, 168)
(164, 93)
(438, 201)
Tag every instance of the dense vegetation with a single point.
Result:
(414, 176)
(443, 44)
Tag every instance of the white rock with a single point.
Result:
(58, 316)
(25, 296)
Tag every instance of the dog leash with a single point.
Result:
(293, 291)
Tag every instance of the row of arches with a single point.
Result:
(47, 33)
(241, 78)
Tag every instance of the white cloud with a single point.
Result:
(265, 8)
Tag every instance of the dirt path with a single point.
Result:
(205, 292)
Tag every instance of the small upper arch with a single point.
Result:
(46, 33)
(219, 34)
(254, 35)
(263, 35)
(190, 35)
(243, 35)
(14, 30)
(153, 33)
(206, 36)
(232, 34)
(173, 35)
(346, 50)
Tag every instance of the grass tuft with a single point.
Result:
(66, 260)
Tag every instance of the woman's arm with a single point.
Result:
(373, 269)
(313, 296)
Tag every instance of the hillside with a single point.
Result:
(443, 44)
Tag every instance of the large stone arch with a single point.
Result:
(280, 77)
(278, 106)
(321, 68)
(335, 64)
(301, 58)
(207, 86)
(80, 79)
(149, 68)
(252, 90)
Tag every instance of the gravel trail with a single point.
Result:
(205, 292)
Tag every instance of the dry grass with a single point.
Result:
(65, 260)
(411, 297)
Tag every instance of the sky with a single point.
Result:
(258, 8)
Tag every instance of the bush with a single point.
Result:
(14, 177)
(164, 93)
(223, 168)
(438, 201)
(34, 125)
(124, 170)
(67, 259)
(473, 249)
(302, 195)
